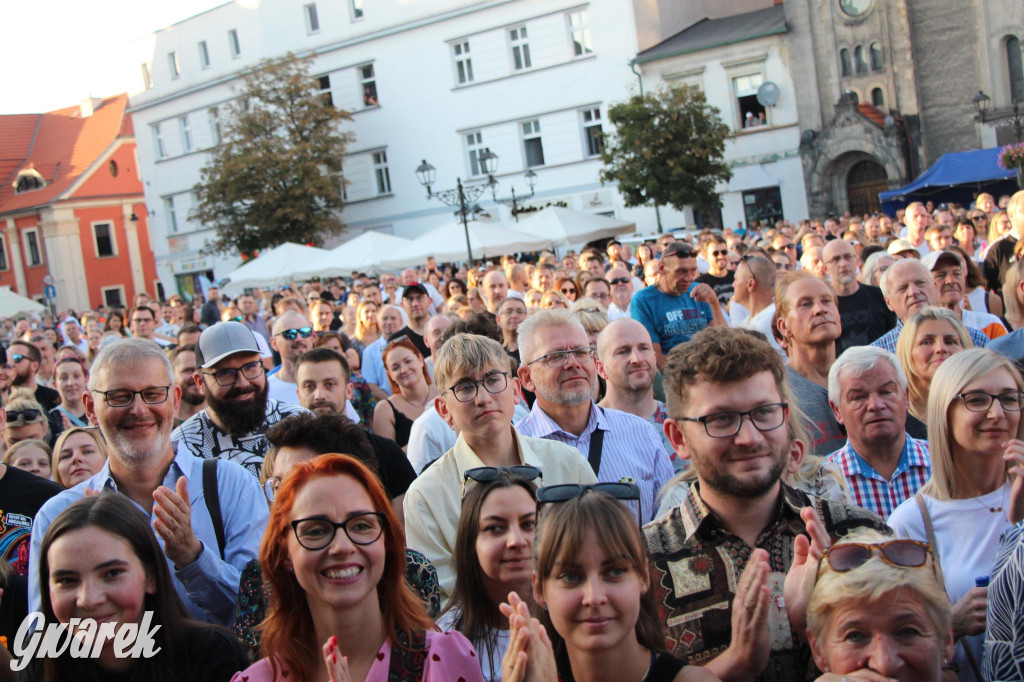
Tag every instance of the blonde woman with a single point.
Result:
(78, 455)
(927, 340)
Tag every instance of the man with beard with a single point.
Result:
(183, 362)
(625, 358)
(238, 411)
(558, 366)
(47, 356)
(861, 306)
(8, 372)
(133, 398)
(25, 358)
(722, 559)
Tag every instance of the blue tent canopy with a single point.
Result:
(978, 167)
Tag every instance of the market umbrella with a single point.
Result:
(13, 304)
(272, 268)
(364, 253)
(447, 243)
(563, 226)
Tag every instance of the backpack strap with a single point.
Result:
(407, 664)
(212, 497)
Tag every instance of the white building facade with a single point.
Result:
(441, 80)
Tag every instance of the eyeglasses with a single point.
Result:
(979, 401)
(590, 311)
(728, 424)
(488, 474)
(290, 334)
(681, 249)
(493, 383)
(554, 494)
(24, 416)
(900, 553)
(619, 280)
(270, 487)
(229, 375)
(720, 253)
(236, 318)
(17, 358)
(559, 358)
(316, 533)
(139, 320)
(122, 397)
(569, 290)
(789, 246)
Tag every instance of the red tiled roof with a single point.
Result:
(870, 111)
(60, 145)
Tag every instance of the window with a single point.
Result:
(173, 64)
(369, 83)
(858, 59)
(28, 180)
(147, 77)
(593, 135)
(1015, 69)
(463, 62)
(579, 30)
(845, 62)
(186, 133)
(312, 20)
(752, 114)
(113, 297)
(103, 240)
(520, 48)
(475, 147)
(204, 55)
(3, 253)
(33, 256)
(158, 141)
(876, 57)
(213, 119)
(357, 9)
(878, 98)
(532, 146)
(233, 44)
(323, 86)
(380, 169)
(172, 216)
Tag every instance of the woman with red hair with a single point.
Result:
(334, 556)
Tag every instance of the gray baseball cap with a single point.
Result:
(220, 340)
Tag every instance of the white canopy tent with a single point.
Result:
(563, 226)
(361, 254)
(13, 304)
(272, 268)
(447, 243)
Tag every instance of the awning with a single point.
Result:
(951, 170)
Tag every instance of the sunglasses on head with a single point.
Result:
(554, 494)
(900, 553)
(488, 474)
(291, 334)
(29, 415)
(680, 249)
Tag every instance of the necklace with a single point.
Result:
(993, 510)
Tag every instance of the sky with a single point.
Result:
(55, 53)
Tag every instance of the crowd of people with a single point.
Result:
(786, 452)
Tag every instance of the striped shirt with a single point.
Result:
(888, 341)
(631, 451)
(871, 490)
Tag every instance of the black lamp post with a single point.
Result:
(531, 180)
(981, 102)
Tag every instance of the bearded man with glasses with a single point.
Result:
(133, 398)
(238, 411)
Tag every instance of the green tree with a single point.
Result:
(276, 176)
(666, 148)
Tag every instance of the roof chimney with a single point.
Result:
(88, 105)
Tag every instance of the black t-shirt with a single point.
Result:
(417, 340)
(723, 286)
(864, 317)
(393, 467)
(47, 397)
(21, 496)
(997, 261)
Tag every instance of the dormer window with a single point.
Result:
(28, 180)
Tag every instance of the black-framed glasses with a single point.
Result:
(747, 259)
(229, 375)
(569, 290)
(122, 397)
(147, 320)
(17, 358)
(291, 334)
(681, 249)
(559, 358)
(979, 401)
(619, 280)
(727, 424)
(900, 553)
(493, 383)
(720, 253)
(554, 494)
(316, 533)
(488, 474)
(23, 416)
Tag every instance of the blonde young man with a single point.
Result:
(477, 396)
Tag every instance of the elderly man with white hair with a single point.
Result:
(867, 390)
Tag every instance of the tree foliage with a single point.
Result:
(276, 176)
(667, 148)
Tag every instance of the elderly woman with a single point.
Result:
(879, 611)
(974, 436)
(876, 264)
(926, 341)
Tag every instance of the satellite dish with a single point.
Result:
(768, 94)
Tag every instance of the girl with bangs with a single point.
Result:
(592, 581)
(334, 556)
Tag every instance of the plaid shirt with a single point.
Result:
(696, 563)
(888, 341)
(871, 490)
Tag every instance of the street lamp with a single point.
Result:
(462, 196)
(981, 102)
(531, 179)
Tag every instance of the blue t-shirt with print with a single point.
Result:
(670, 320)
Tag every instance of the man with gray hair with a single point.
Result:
(867, 390)
(558, 366)
(133, 396)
